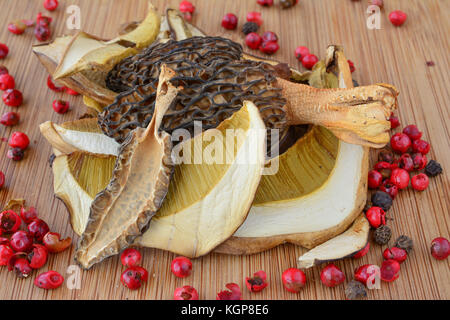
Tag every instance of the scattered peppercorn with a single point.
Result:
(253, 40)
(269, 47)
(405, 243)
(15, 154)
(420, 182)
(397, 18)
(309, 61)
(254, 16)
(382, 199)
(433, 168)
(355, 290)
(395, 122)
(430, 64)
(17, 27)
(286, 4)
(250, 27)
(3, 70)
(265, 3)
(382, 235)
(12, 98)
(50, 5)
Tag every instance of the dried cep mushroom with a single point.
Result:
(139, 183)
(208, 201)
(216, 79)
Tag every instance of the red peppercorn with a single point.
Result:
(412, 132)
(42, 32)
(20, 264)
(420, 182)
(331, 276)
(43, 20)
(293, 280)
(28, 215)
(38, 256)
(421, 146)
(4, 241)
(181, 267)
(379, 3)
(309, 61)
(265, 3)
(2, 183)
(7, 82)
(361, 253)
(28, 23)
(400, 142)
(375, 179)
(4, 50)
(5, 254)
(12, 97)
(376, 217)
(366, 273)
(229, 21)
(269, 36)
(9, 221)
(52, 241)
(51, 85)
(3, 70)
(38, 228)
(253, 40)
(10, 119)
(234, 292)
(186, 6)
(395, 122)
(389, 270)
(406, 162)
(71, 92)
(396, 254)
(60, 106)
(130, 257)
(352, 66)
(397, 17)
(133, 277)
(19, 140)
(399, 178)
(440, 248)
(21, 241)
(420, 161)
(50, 5)
(384, 168)
(301, 52)
(269, 47)
(49, 280)
(17, 27)
(389, 188)
(185, 293)
(257, 283)
(255, 17)
(15, 154)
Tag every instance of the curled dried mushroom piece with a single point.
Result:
(137, 188)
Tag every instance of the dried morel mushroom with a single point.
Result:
(217, 80)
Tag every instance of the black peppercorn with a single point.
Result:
(382, 199)
(250, 27)
(433, 168)
(355, 290)
(404, 242)
(382, 235)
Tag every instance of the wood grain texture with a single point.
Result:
(392, 55)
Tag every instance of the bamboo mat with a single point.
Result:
(392, 55)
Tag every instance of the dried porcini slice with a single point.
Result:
(216, 79)
(137, 188)
(194, 220)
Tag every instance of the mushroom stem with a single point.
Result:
(355, 115)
